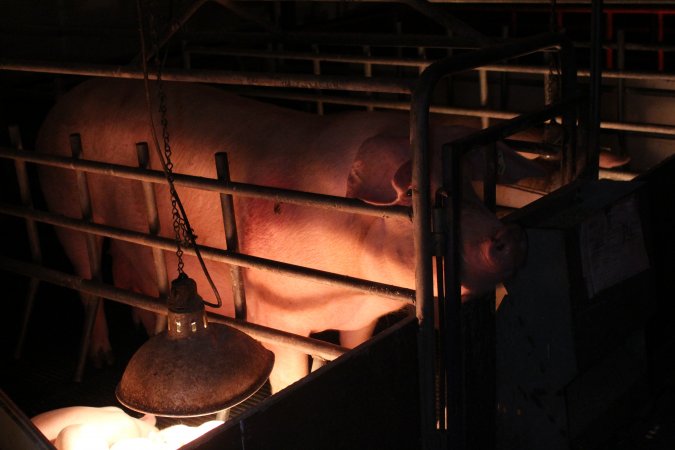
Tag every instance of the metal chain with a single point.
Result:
(180, 228)
(184, 235)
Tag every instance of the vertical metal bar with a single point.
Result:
(483, 78)
(419, 139)
(316, 65)
(593, 152)
(660, 34)
(568, 70)
(452, 344)
(504, 79)
(368, 72)
(490, 180)
(227, 206)
(621, 87)
(154, 228)
(33, 239)
(90, 306)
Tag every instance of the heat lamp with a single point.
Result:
(194, 367)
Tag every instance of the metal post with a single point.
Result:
(227, 207)
(368, 72)
(593, 150)
(33, 239)
(452, 340)
(91, 304)
(482, 76)
(621, 86)
(316, 66)
(153, 229)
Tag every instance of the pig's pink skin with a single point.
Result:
(365, 155)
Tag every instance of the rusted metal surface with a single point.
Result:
(194, 368)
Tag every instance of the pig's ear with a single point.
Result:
(381, 172)
(511, 167)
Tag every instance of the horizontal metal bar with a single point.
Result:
(157, 305)
(332, 202)
(391, 86)
(214, 254)
(421, 63)
(646, 128)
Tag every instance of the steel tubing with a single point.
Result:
(96, 288)
(231, 237)
(250, 262)
(419, 128)
(348, 205)
(391, 86)
(31, 232)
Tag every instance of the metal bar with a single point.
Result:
(621, 86)
(316, 66)
(420, 63)
(348, 205)
(570, 119)
(452, 349)
(154, 229)
(590, 171)
(231, 238)
(387, 85)
(419, 127)
(391, 86)
(33, 238)
(91, 305)
(96, 288)
(214, 254)
(483, 82)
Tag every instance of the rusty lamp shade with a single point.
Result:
(195, 368)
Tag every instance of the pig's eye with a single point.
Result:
(408, 193)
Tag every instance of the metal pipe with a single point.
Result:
(590, 171)
(154, 229)
(92, 304)
(392, 86)
(96, 288)
(349, 205)
(419, 127)
(33, 238)
(404, 295)
(420, 63)
(231, 238)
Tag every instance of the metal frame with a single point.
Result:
(419, 126)
(421, 105)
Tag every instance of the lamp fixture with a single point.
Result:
(194, 368)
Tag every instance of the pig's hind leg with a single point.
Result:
(95, 339)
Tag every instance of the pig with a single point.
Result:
(89, 428)
(364, 155)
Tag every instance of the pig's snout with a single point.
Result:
(507, 249)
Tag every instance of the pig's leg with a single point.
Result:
(353, 338)
(132, 269)
(289, 366)
(75, 246)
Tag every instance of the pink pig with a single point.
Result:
(364, 155)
